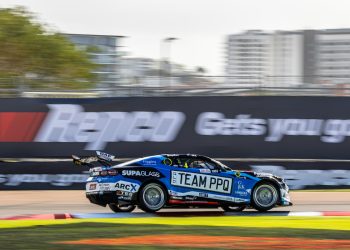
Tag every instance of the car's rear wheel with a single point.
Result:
(152, 197)
(233, 208)
(121, 208)
(264, 196)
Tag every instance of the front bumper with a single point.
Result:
(285, 198)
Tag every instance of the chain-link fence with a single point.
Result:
(188, 85)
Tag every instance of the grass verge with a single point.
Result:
(46, 236)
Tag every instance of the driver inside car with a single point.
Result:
(198, 164)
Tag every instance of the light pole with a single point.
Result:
(168, 41)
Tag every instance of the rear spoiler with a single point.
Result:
(101, 157)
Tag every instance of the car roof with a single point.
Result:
(187, 155)
(160, 156)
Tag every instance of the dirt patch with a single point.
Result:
(224, 242)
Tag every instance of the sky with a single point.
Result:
(201, 26)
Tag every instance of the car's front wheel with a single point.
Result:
(264, 196)
(152, 197)
(121, 208)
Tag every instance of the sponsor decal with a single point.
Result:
(20, 126)
(177, 197)
(92, 186)
(125, 197)
(69, 123)
(274, 130)
(141, 173)
(127, 186)
(242, 193)
(238, 174)
(149, 162)
(240, 185)
(167, 162)
(106, 186)
(220, 197)
(204, 170)
(203, 195)
(207, 195)
(241, 200)
(201, 181)
(263, 175)
(214, 123)
(241, 189)
(299, 179)
(171, 192)
(105, 156)
(95, 187)
(190, 198)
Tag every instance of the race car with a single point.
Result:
(179, 181)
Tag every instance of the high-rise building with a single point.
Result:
(309, 57)
(103, 50)
(248, 57)
(289, 58)
(333, 56)
(264, 58)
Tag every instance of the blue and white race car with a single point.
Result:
(179, 181)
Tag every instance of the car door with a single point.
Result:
(222, 181)
(201, 178)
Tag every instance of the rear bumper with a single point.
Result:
(102, 199)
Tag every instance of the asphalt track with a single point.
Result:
(16, 203)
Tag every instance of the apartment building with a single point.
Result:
(265, 58)
(333, 56)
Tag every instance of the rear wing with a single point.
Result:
(101, 157)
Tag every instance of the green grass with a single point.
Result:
(44, 237)
(44, 234)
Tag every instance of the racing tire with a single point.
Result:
(152, 197)
(227, 208)
(264, 196)
(121, 208)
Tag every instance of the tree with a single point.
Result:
(38, 57)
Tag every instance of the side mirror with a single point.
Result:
(75, 157)
(76, 160)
